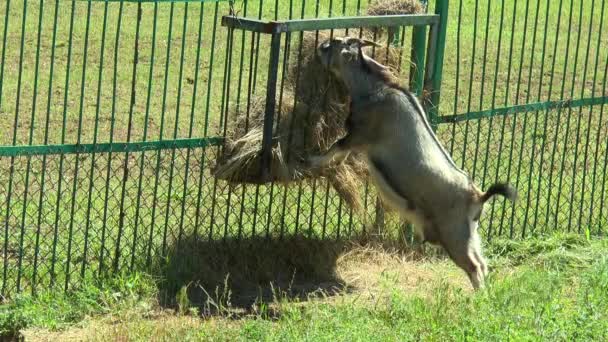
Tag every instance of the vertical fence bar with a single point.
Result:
(514, 125)
(176, 128)
(238, 110)
(525, 124)
(161, 131)
(46, 139)
(145, 137)
(562, 166)
(15, 126)
(271, 93)
(481, 90)
(31, 138)
(125, 174)
(224, 117)
(79, 133)
(470, 93)
(418, 57)
(206, 124)
(5, 249)
(559, 111)
(540, 86)
(489, 133)
(203, 150)
(580, 115)
(63, 133)
(112, 126)
(595, 158)
(504, 121)
(95, 132)
(191, 124)
(542, 149)
(457, 81)
(595, 68)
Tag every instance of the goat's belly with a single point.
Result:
(391, 197)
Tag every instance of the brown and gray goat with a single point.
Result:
(411, 170)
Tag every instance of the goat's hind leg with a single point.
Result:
(462, 247)
(476, 248)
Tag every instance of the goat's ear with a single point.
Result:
(371, 63)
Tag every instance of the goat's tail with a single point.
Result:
(502, 189)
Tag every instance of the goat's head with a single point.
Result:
(341, 55)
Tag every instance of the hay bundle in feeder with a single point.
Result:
(312, 112)
(395, 7)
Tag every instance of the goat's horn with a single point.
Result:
(362, 42)
(365, 42)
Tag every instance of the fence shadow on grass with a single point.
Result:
(241, 276)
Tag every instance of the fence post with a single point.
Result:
(418, 56)
(434, 65)
(271, 91)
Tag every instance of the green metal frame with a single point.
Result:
(117, 147)
(431, 71)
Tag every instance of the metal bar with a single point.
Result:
(155, 198)
(118, 147)
(206, 123)
(79, 133)
(238, 110)
(555, 139)
(579, 119)
(544, 140)
(588, 136)
(15, 126)
(32, 120)
(536, 115)
(494, 86)
(481, 92)
(95, 131)
(317, 24)
(504, 120)
(566, 150)
(145, 134)
(547, 105)
(519, 175)
(225, 105)
(46, 138)
(417, 57)
(60, 175)
(470, 92)
(457, 81)
(271, 86)
(514, 124)
(125, 174)
(596, 160)
(112, 126)
(3, 58)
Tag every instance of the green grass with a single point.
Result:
(557, 160)
(540, 289)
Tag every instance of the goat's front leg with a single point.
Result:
(339, 151)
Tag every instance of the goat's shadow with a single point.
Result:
(240, 276)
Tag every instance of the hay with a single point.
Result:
(304, 127)
(395, 7)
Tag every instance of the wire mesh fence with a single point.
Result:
(105, 108)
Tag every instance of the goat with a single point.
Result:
(412, 171)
